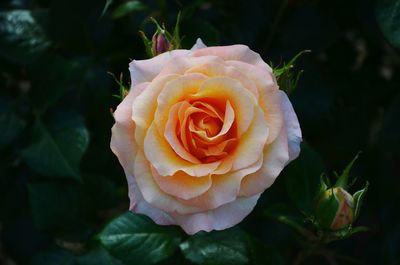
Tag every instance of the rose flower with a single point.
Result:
(201, 134)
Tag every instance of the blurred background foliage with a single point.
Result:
(60, 184)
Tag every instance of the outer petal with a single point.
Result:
(221, 218)
(122, 143)
(276, 156)
(145, 105)
(146, 70)
(292, 127)
(198, 45)
(151, 191)
(269, 96)
(235, 53)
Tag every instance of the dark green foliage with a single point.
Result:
(218, 248)
(134, 239)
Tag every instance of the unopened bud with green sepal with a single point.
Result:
(336, 209)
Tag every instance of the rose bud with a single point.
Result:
(160, 43)
(335, 209)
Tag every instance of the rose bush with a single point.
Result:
(201, 134)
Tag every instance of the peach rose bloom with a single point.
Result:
(201, 134)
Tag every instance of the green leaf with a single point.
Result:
(57, 146)
(11, 124)
(388, 16)
(55, 205)
(302, 178)
(22, 39)
(218, 247)
(50, 75)
(135, 239)
(358, 200)
(98, 256)
(127, 8)
(54, 257)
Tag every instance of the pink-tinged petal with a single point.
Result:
(122, 143)
(225, 188)
(234, 53)
(145, 105)
(166, 161)
(269, 96)
(276, 156)
(151, 191)
(221, 218)
(146, 70)
(198, 45)
(292, 127)
(180, 64)
(183, 186)
(214, 69)
(139, 205)
(217, 90)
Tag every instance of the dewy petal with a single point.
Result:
(276, 156)
(235, 53)
(198, 45)
(223, 88)
(183, 186)
(145, 105)
(221, 218)
(146, 70)
(166, 161)
(292, 127)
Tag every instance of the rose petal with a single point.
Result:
(183, 186)
(198, 45)
(221, 218)
(235, 53)
(122, 143)
(292, 127)
(145, 105)
(151, 191)
(269, 96)
(166, 161)
(216, 90)
(276, 156)
(146, 70)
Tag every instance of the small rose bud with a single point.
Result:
(160, 43)
(335, 209)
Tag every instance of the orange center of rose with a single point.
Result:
(205, 130)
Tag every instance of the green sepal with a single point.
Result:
(147, 44)
(343, 179)
(326, 209)
(123, 90)
(286, 77)
(358, 199)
